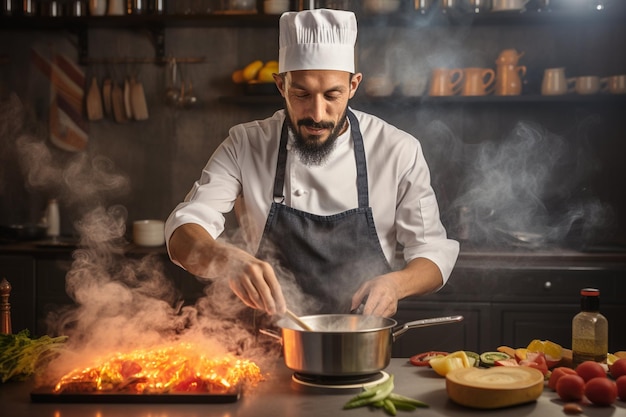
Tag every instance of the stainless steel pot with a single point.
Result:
(344, 344)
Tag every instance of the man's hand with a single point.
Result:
(251, 279)
(381, 294)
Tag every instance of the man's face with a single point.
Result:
(316, 103)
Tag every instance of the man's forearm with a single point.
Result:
(420, 276)
(190, 245)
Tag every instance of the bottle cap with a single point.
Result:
(590, 292)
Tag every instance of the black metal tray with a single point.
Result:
(46, 395)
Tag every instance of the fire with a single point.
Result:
(173, 368)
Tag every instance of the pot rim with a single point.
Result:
(388, 324)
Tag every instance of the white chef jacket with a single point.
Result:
(403, 202)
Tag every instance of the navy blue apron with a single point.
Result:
(329, 257)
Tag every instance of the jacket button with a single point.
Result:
(299, 193)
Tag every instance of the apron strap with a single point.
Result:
(281, 163)
(359, 156)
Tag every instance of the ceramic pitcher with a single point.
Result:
(509, 79)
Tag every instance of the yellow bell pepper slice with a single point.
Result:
(455, 360)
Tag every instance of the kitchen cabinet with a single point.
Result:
(19, 270)
(39, 294)
(505, 298)
(513, 302)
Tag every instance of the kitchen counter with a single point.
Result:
(469, 257)
(279, 396)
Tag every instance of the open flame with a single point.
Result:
(182, 367)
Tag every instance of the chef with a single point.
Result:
(324, 194)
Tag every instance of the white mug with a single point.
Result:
(414, 86)
(379, 86)
(554, 82)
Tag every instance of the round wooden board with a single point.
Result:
(497, 387)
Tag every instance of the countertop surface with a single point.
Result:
(278, 395)
(610, 257)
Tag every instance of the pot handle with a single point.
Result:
(271, 333)
(425, 323)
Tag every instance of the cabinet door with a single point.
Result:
(518, 324)
(470, 334)
(20, 272)
(51, 294)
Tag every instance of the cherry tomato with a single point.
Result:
(590, 369)
(621, 387)
(558, 373)
(601, 391)
(423, 358)
(618, 368)
(570, 387)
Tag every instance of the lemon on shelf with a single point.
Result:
(266, 74)
(251, 70)
(237, 77)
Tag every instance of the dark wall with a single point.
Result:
(530, 165)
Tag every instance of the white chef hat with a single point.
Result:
(318, 39)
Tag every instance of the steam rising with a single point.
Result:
(121, 301)
(526, 189)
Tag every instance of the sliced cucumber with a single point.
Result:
(490, 358)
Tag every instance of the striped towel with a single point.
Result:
(67, 124)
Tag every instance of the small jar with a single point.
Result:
(7, 8)
(29, 7)
(77, 8)
(53, 219)
(55, 8)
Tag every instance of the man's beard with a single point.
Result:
(310, 150)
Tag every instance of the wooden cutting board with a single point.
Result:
(497, 387)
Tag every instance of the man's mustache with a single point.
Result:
(311, 123)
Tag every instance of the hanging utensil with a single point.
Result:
(107, 88)
(128, 109)
(138, 100)
(117, 101)
(172, 93)
(94, 101)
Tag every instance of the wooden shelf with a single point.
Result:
(566, 99)
(409, 18)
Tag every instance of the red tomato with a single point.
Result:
(558, 373)
(601, 391)
(621, 387)
(424, 358)
(590, 369)
(570, 388)
(618, 368)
